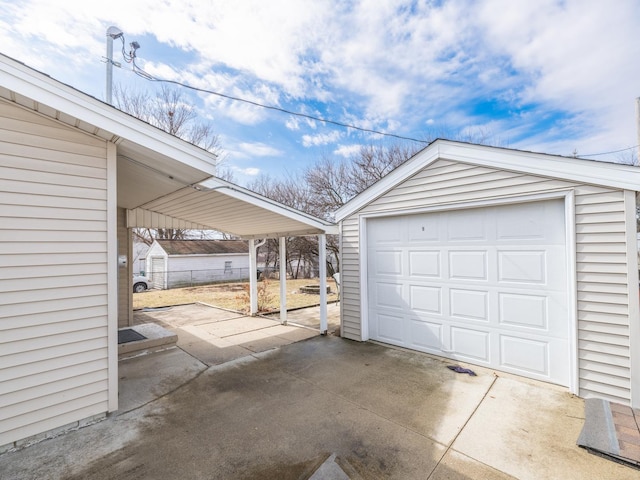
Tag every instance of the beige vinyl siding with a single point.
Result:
(53, 274)
(601, 270)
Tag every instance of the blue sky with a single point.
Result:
(553, 76)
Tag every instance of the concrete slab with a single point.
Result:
(237, 326)
(179, 315)
(207, 348)
(329, 470)
(259, 340)
(529, 430)
(384, 413)
(310, 317)
(149, 377)
(455, 466)
(420, 383)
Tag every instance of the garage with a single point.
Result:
(484, 285)
(522, 262)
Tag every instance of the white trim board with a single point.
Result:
(564, 168)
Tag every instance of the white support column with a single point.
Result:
(253, 277)
(283, 281)
(322, 264)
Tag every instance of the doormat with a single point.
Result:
(127, 335)
(612, 431)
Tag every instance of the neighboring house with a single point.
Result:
(139, 261)
(181, 263)
(76, 176)
(516, 261)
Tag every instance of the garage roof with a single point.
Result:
(565, 168)
(163, 181)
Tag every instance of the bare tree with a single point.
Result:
(170, 110)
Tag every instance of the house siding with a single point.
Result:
(601, 268)
(183, 270)
(53, 274)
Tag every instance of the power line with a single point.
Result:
(131, 58)
(607, 153)
(140, 72)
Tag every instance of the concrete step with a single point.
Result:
(154, 338)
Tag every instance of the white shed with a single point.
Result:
(521, 262)
(182, 263)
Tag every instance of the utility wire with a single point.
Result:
(607, 153)
(131, 58)
(140, 72)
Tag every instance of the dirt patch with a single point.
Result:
(234, 296)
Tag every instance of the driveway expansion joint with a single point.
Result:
(450, 446)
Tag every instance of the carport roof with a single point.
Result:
(162, 181)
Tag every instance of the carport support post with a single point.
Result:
(283, 281)
(253, 277)
(322, 264)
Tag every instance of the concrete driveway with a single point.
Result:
(281, 413)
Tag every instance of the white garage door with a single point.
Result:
(487, 286)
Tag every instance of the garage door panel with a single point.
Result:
(423, 228)
(526, 355)
(389, 295)
(490, 288)
(466, 225)
(468, 265)
(522, 266)
(424, 263)
(469, 304)
(390, 328)
(521, 310)
(470, 343)
(425, 336)
(388, 262)
(425, 299)
(386, 231)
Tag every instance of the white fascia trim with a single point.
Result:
(239, 193)
(633, 295)
(364, 278)
(564, 168)
(42, 89)
(404, 171)
(572, 290)
(217, 255)
(112, 279)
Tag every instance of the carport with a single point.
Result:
(168, 196)
(76, 176)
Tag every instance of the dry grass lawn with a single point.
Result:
(235, 296)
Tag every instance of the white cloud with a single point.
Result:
(249, 171)
(380, 64)
(347, 150)
(258, 150)
(321, 139)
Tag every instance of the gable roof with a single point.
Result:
(203, 247)
(162, 181)
(554, 166)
